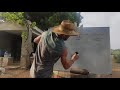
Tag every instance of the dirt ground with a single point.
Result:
(115, 69)
(116, 74)
(19, 73)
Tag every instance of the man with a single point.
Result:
(50, 48)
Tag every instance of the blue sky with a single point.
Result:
(105, 19)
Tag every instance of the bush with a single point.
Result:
(117, 58)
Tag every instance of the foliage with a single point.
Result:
(15, 17)
(33, 24)
(56, 18)
(45, 20)
(116, 54)
(117, 58)
(24, 35)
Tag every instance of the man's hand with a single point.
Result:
(68, 63)
(74, 57)
(37, 39)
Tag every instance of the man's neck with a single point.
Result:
(59, 36)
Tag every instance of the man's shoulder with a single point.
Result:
(48, 31)
(45, 32)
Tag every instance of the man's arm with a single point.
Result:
(65, 62)
(37, 39)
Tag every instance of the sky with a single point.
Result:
(105, 19)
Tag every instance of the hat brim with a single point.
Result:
(72, 33)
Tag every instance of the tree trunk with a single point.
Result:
(26, 49)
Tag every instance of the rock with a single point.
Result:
(79, 71)
(2, 70)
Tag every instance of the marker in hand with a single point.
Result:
(75, 56)
(77, 53)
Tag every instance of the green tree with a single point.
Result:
(45, 20)
(116, 54)
(117, 58)
(15, 17)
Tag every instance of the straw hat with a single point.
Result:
(66, 27)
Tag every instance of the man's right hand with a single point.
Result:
(74, 57)
(65, 62)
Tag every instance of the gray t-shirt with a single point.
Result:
(48, 52)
